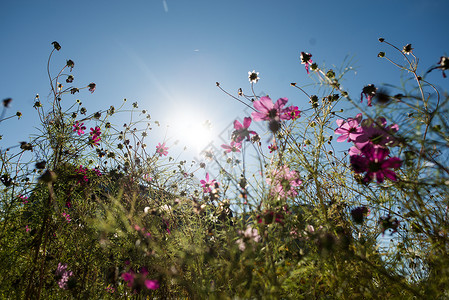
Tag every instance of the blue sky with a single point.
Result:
(167, 55)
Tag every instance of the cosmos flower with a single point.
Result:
(292, 112)
(152, 284)
(79, 128)
(161, 149)
(306, 59)
(267, 110)
(377, 133)
(208, 184)
(92, 86)
(374, 163)
(63, 275)
(284, 182)
(253, 76)
(233, 147)
(272, 147)
(369, 91)
(241, 131)
(349, 129)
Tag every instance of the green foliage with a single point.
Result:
(98, 215)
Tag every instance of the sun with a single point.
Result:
(191, 129)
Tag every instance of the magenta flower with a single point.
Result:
(375, 163)
(292, 112)
(268, 111)
(284, 182)
(63, 275)
(79, 128)
(369, 91)
(349, 129)
(241, 131)
(161, 149)
(128, 277)
(272, 147)
(250, 235)
(67, 217)
(233, 147)
(95, 131)
(152, 284)
(377, 134)
(208, 185)
(306, 59)
(95, 138)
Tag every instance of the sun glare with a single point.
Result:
(191, 130)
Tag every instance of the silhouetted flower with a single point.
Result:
(70, 64)
(359, 213)
(374, 161)
(306, 59)
(443, 64)
(388, 222)
(92, 86)
(56, 45)
(6, 102)
(407, 49)
(369, 91)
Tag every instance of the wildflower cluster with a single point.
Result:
(370, 152)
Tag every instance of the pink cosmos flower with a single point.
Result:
(377, 134)
(98, 172)
(95, 138)
(27, 229)
(293, 112)
(241, 131)
(369, 91)
(374, 161)
(272, 147)
(284, 182)
(95, 131)
(306, 59)
(24, 199)
(152, 284)
(63, 275)
(349, 129)
(67, 217)
(79, 128)
(250, 235)
(208, 185)
(267, 110)
(161, 149)
(128, 277)
(233, 147)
